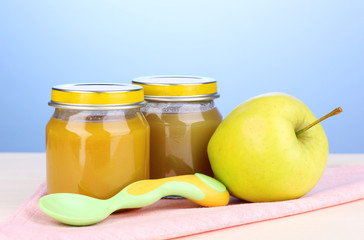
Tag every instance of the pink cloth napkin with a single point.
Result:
(174, 218)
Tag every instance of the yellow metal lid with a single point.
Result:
(178, 88)
(97, 96)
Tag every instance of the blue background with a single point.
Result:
(311, 49)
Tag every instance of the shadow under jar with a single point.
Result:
(182, 116)
(97, 141)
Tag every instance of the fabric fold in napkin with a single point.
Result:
(169, 218)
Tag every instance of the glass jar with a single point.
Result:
(97, 141)
(182, 116)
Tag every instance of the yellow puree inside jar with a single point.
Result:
(96, 158)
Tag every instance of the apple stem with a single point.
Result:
(332, 113)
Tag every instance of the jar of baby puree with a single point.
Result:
(182, 116)
(97, 141)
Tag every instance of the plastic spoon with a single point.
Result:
(80, 210)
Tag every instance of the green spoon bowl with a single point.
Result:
(75, 209)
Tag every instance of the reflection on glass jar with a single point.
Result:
(182, 117)
(94, 147)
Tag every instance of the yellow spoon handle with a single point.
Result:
(198, 188)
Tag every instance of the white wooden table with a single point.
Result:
(22, 173)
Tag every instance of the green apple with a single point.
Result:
(262, 151)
